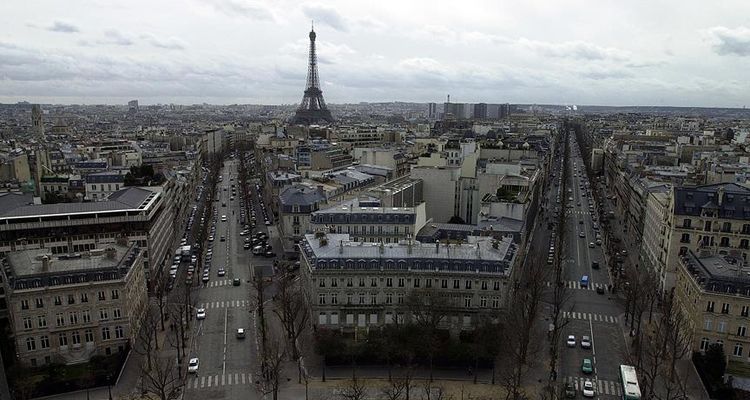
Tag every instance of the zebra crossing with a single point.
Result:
(590, 316)
(603, 387)
(209, 381)
(226, 303)
(577, 285)
(222, 282)
(579, 212)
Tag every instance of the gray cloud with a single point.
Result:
(116, 37)
(63, 27)
(727, 41)
(243, 8)
(574, 49)
(326, 15)
(170, 43)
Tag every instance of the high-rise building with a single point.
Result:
(37, 124)
(480, 111)
(432, 111)
(313, 108)
(133, 106)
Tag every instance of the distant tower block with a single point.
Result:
(37, 125)
(133, 106)
(313, 108)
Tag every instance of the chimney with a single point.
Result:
(437, 247)
(720, 195)
(341, 247)
(409, 248)
(45, 263)
(381, 247)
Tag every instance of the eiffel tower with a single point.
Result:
(313, 108)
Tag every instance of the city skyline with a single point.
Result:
(232, 51)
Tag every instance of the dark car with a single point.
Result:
(600, 289)
(236, 282)
(269, 254)
(595, 264)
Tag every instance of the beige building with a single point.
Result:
(714, 294)
(654, 246)
(707, 220)
(68, 308)
(357, 285)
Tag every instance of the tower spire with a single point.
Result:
(313, 108)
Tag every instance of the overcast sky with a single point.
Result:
(682, 53)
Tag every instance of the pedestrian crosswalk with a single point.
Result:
(208, 381)
(226, 303)
(577, 285)
(603, 387)
(589, 316)
(217, 283)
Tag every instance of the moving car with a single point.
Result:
(193, 365)
(588, 389)
(585, 342)
(570, 390)
(221, 272)
(236, 282)
(240, 333)
(600, 289)
(571, 341)
(587, 366)
(200, 313)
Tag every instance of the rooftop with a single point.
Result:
(730, 200)
(720, 274)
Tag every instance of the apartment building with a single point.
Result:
(296, 203)
(654, 246)
(714, 294)
(368, 223)
(143, 215)
(67, 308)
(358, 285)
(708, 220)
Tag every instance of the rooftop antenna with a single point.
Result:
(449, 98)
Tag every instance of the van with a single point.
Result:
(240, 333)
(585, 281)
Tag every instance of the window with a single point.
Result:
(495, 302)
(496, 285)
(746, 229)
(484, 285)
(115, 294)
(737, 350)
(741, 330)
(686, 223)
(119, 332)
(60, 319)
(444, 283)
(361, 282)
(726, 227)
(400, 298)
(416, 282)
(361, 298)
(724, 242)
(75, 337)
(58, 300)
(73, 317)
(86, 316)
(428, 283)
(101, 295)
(468, 284)
(389, 298)
(84, 297)
(116, 314)
(103, 315)
(30, 344)
(456, 284)
(725, 308)
(105, 333)
(685, 238)
(721, 327)
(389, 282)
(483, 301)
(42, 321)
(88, 335)
(704, 344)
(744, 244)
(349, 282)
(745, 311)
(373, 298)
(43, 341)
(707, 324)
(71, 299)
(39, 302)
(710, 306)
(373, 282)
(27, 323)
(334, 298)
(467, 302)
(334, 282)
(400, 282)
(62, 338)
(348, 298)
(322, 282)
(322, 298)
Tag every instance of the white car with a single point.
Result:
(588, 389)
(201, 313)
(571, 341)
(193, 365)
(585, 342)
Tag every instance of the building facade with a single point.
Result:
(68, 308)
(357, 285)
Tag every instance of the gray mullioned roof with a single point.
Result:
(735, 197)
(130, 198)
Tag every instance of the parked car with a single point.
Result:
(585, 342)
(193, 365)
(200, 313)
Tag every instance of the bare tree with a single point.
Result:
(271, 363)
(431, 391)
(162, 380)
(292, 311)
(393, 390)
(147, 342)
(354, 389)
(429, 309)
(258, 302)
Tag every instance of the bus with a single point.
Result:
(629, 381)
